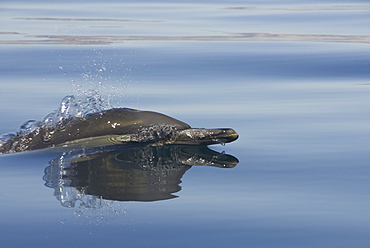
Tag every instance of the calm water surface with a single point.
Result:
(291, 78)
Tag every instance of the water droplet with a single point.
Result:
(48, 134)
(6, 136)
(28, 126)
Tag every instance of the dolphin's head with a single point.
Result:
(201, 136)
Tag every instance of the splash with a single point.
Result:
(59, 176)
(73, 107)
(56, 177)
(70, 107)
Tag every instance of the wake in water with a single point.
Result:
(90, 123)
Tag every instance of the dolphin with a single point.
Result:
(118, 126)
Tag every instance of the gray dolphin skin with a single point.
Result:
(120, 126)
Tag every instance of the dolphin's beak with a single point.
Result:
(225, 135)
(201, 136)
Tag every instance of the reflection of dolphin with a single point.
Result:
(136, 174)
(118, 126)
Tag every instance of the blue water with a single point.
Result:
(291, 78)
